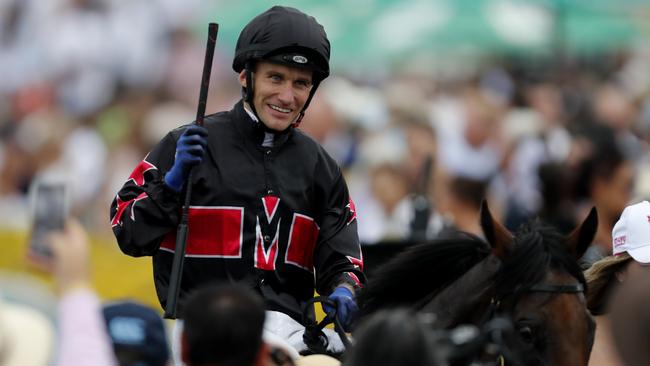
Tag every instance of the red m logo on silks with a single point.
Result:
(266, 249)
(265, 256)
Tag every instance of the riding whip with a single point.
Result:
(181, 232)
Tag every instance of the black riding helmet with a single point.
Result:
(283, 35)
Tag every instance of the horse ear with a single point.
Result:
(582, 236)
(499, 238)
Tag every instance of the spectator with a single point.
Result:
(630, 319)
(605, 179)
(223, 325)
(393, 207)
(461, 204)
(631, 247)
(392, 338)
(629, 316)
(26, 336)
(138, 334)
(82, 335)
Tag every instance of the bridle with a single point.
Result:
(551, 288)
(482, 274)
(496, 302)
(558, 289)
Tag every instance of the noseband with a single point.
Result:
(495, 302)
(557, 289)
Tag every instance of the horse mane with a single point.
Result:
(537, 249)
(422, 270)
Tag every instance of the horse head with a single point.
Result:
(531, 277)
(540, 286)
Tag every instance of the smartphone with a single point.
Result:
(49, 208)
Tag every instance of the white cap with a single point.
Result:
(631, 233)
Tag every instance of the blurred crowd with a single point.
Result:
(89, 86)
(546, 139)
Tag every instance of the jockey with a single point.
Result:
(270, 209)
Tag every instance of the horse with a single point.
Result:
(531, 277)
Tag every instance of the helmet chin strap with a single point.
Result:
(248, 97)
(314, 86)
(296, 123)
(248, 90)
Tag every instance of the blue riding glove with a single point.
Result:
(190, 149)
(346, 307)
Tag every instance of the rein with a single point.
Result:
(314, 337)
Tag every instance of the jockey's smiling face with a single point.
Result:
(280, 93)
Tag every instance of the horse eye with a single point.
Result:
(526, 333)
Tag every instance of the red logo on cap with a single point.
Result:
(620, 240)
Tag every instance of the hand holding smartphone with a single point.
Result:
(71, 258)
(58, 244)
(49, 207)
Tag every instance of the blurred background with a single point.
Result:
(541, 106)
